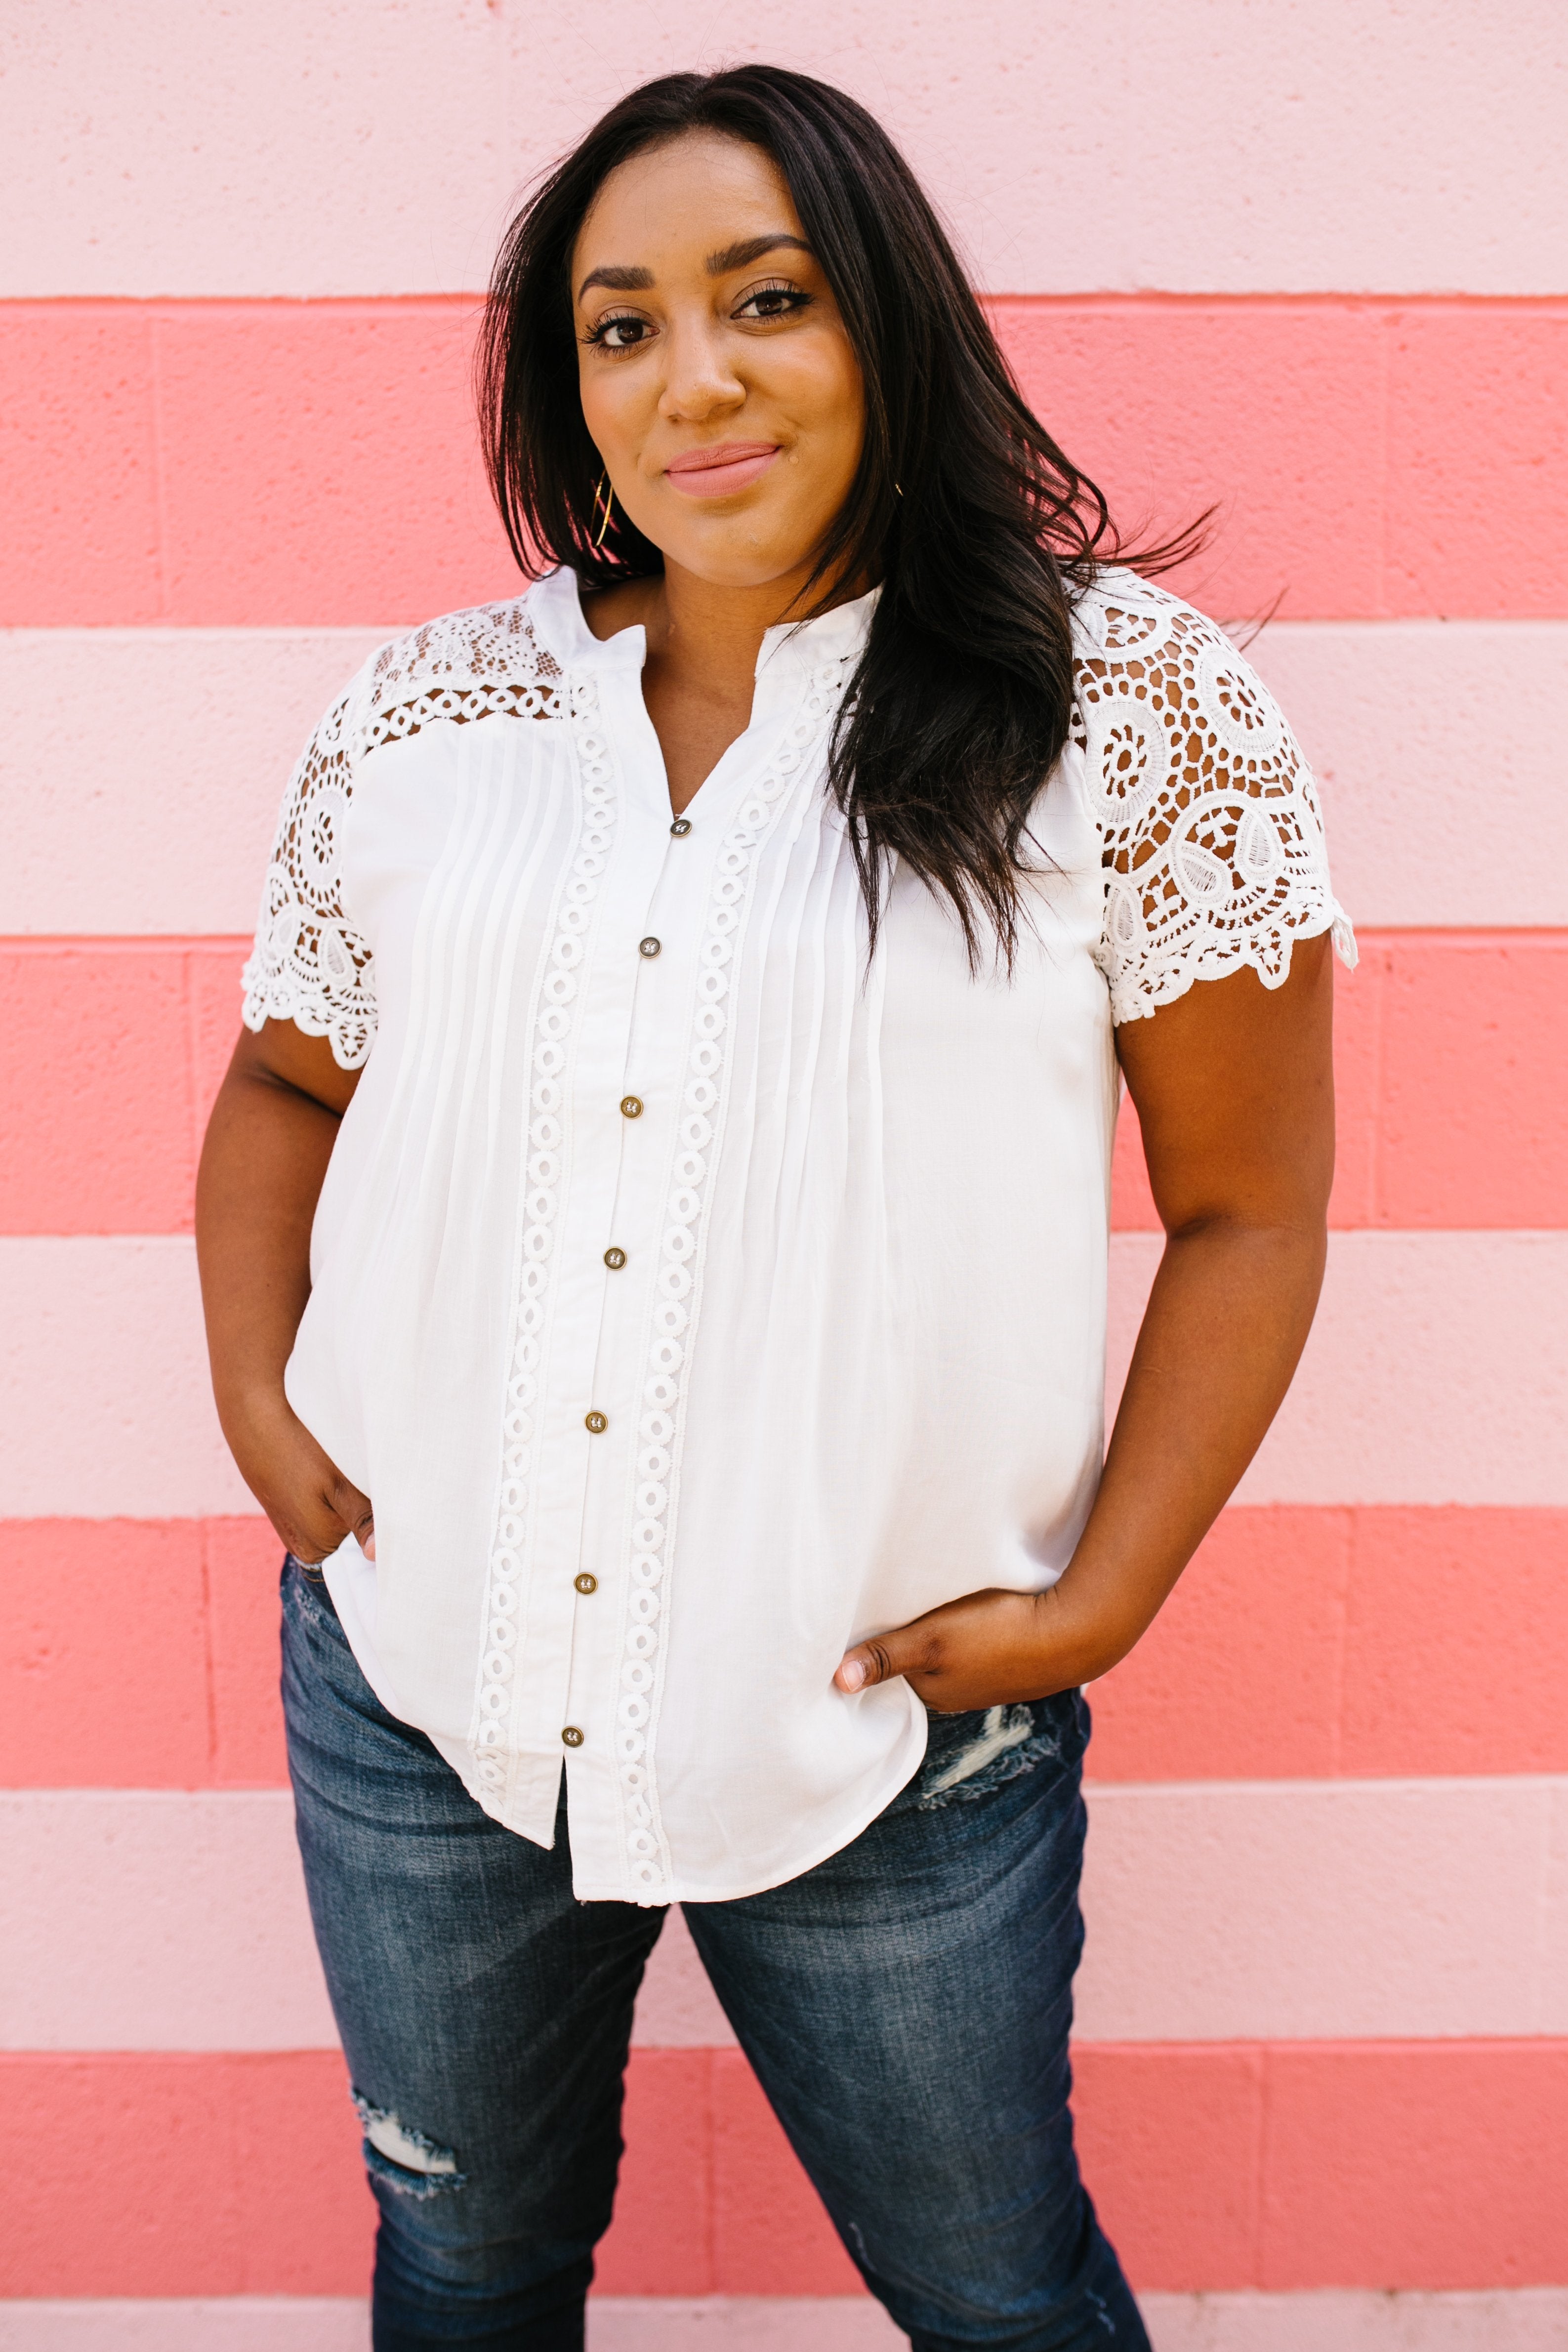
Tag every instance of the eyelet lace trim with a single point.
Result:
(464, 667)
(310, 965)
(490, 1734)
(1213, 836)
(660, 1431)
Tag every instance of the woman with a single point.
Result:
(654, 1232)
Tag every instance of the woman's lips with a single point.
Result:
(720, 472)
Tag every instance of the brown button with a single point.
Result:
(595, 1421)
(681, 827)
(649, 947)
(614, 1259)
(586, 1583)
(631, 1106)
(571, 1736)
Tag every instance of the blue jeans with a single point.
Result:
(905, 2005)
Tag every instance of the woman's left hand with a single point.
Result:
(987, 1650)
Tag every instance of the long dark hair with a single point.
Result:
(979, 528)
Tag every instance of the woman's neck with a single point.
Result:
(703, 641)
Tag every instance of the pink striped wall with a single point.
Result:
(105, 1141)
(1306, 265)
(1325, 1641)
(1282, 2165)
(276, 462)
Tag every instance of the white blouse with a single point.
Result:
(690, 1298)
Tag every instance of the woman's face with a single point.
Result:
(718, 383)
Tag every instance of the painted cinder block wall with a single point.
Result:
(1306, 261)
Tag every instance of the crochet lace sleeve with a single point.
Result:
(1213, 839)
(309, 964)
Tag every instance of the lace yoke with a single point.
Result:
(1213, 839)
(310, 965)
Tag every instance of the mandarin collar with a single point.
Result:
(556, 608)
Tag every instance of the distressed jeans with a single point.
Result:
(905, 2005)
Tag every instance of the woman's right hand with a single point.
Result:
(304, 1494)
(268, 1141)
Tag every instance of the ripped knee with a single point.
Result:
(411, 2164)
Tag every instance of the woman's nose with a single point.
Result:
(698, 380)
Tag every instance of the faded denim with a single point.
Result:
(905, 2004)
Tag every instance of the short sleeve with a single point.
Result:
(309, 964)
(1213, 838)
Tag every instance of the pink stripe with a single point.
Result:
(113, 1049)
(221, 462)
(1318, 1643)
(112, 1053)
(1446, 1119)
(1324, 1642)
(1395, 2164)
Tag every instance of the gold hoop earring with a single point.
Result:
(603, 497)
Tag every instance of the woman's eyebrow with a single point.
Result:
(631, 278)
(752, 248)
(620, 277)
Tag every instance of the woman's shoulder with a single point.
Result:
(1120, 620)
(461, 666)
(1144, 658)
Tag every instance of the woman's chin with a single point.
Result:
(737, 550)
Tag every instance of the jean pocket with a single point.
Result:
(309, 1586)
(970, 1755)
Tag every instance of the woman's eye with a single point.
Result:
(771, 302)
(621, 334)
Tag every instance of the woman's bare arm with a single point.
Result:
(1234, 1085)
(268, 1144)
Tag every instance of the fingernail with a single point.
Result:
(368, 1547)
(851, 1674)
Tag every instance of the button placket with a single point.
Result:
(555, 1022)
(700, 1109)
(629, 1130)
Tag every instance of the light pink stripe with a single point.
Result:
(105, 1400)
(140, 771)
(1218, 1911)
(106, 727)
(168, 154)
(1525, 2319)
(740, 2324)
(1436, 1370)
(1402, 720)
(240, 2323)
(1438, 1373)
(143, 1919)
(1528, 2319)
(1340, 1910)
